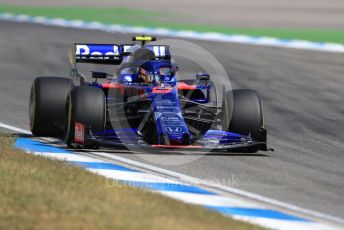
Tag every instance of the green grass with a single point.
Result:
(41, 193)
(135, 17)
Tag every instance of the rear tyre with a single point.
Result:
(47, 107)
(85, 105)
(243, 114)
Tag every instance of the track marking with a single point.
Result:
(15, 129)
(240, 210)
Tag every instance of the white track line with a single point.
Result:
(67, 157)
(192, 180)
(15, 129)
(208, 200)
(286, 225)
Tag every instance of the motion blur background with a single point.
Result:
(318, 20)
(230, 13)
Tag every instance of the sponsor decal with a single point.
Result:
(167, 102)
(79, 133)
(176, 129)
(104, 52)
(165, 118)
(172, 123)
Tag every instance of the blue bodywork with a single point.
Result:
(163, 94)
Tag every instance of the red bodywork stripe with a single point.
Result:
(183, 85)
(178, 146)
(112, 85)
(159, 90)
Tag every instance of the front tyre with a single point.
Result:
(47, 107)
(85, 105)
(243, 114)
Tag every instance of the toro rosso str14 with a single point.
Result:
(143, 104)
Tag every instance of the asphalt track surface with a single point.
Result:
(302, 94)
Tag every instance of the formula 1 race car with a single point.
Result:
(143, 104)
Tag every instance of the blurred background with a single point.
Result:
(314, 20)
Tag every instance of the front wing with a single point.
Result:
(212, 141)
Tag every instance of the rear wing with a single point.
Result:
(111, 53)
(97, 54)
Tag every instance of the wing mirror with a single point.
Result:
(99, 75)
(202, 76)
